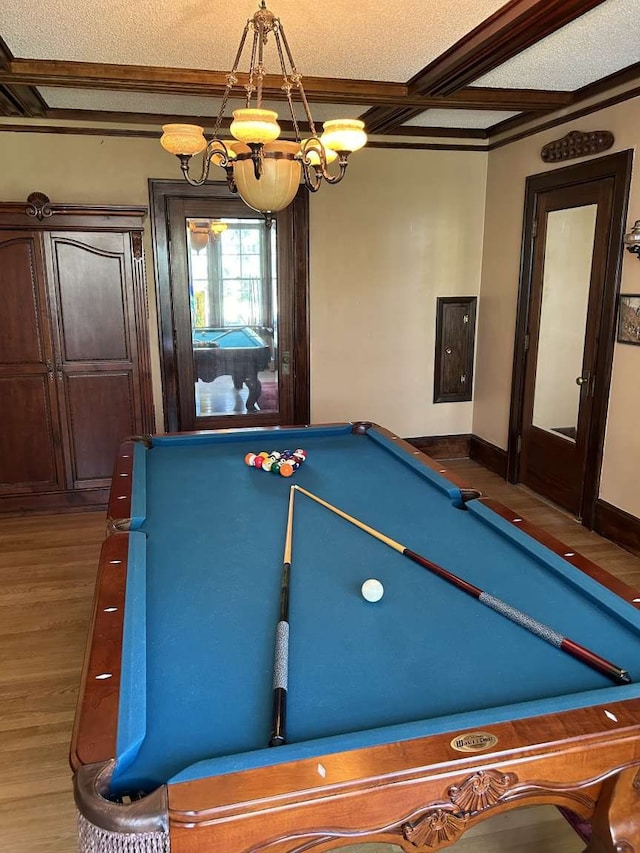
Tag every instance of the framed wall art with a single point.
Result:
(629, 319)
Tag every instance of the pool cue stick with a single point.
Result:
(281, 663)
(620, 676)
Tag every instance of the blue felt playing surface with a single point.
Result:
(214, 546)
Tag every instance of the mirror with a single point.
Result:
(565, 296)
(233, 300)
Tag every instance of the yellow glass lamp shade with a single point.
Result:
(253, 125)
(217, 228)
(183, 139)
(279, 180)
(344, 134)
(314, 157)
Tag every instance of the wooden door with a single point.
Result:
(232, 295)
(30, 446)
(574, 220)
(97, 365)
(566, 301)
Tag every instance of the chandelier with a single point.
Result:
(265, 170)
(200, 232)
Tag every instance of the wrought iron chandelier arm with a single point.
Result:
(342, 168)
(312, 177)
(216, 149)
(313, 157)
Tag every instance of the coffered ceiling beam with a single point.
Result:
(5, 56)
(181, 81)
(19, 100)
(512, 29)
(185, 81)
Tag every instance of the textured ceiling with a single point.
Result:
(459, 118)
(339, 41)
(375, 40)
(599, 43)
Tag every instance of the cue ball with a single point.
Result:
(372, 590)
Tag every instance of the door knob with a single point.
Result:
(582, 380)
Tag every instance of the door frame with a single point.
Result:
(618, 168)
(296, 217)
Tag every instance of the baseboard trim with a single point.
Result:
(77, 500)
(488, 455)
(611, 522)
(617, 525)
(442, 446)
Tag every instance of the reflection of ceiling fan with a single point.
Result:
(200, 231)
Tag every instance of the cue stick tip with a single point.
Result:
(624, 677)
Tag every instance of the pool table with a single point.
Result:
(409, 720)
(239, 352)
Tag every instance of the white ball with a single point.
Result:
(372, 590)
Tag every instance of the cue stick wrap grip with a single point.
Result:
(280, 683)
(538, 628)
(281, 663)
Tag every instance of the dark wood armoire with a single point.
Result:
(74, 353)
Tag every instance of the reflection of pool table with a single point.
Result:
(237, 352)
(409, 720)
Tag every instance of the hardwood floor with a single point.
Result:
(47, 571)
(221, 398)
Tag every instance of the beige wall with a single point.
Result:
(89, 170)
(508, 168)
(403, 228)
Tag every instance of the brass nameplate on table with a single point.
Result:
(474, 742)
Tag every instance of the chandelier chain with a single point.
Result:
(250, 88)
(231, 80)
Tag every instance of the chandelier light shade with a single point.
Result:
(198, 235)
(264, 169)
(217, 228)
(344, 135)
(200, 232)
(183, 139)
(257, 126)
(279, 178)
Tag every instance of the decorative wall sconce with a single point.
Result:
(632, 239)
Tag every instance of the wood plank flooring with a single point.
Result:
(47, 572)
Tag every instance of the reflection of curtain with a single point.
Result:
(215, 284)
(256, 314)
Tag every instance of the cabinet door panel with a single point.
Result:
(30, 450)
(91, 281)
(27, 445)
(100, 407)
(21, 338)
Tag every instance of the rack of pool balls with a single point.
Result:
(276, 462)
